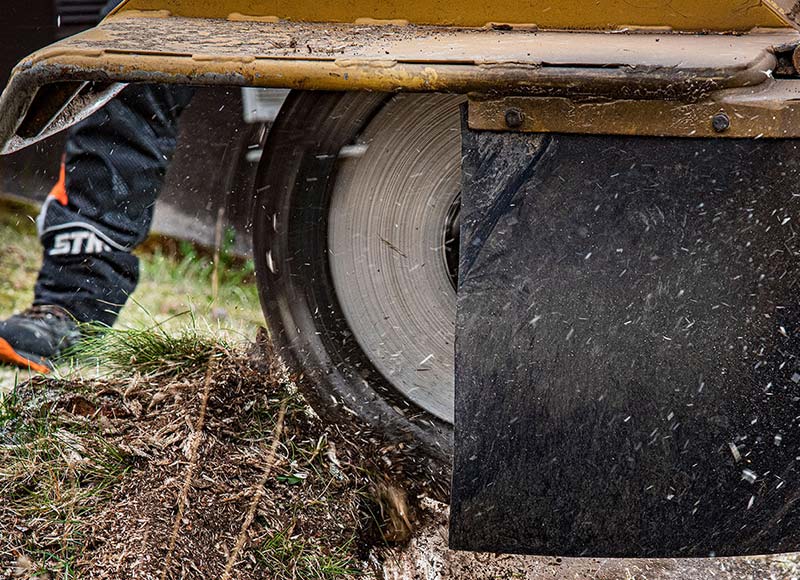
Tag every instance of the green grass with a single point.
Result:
(53, 472)
(181, 282)
(151, 352)
(174, 292)
(21, 256)
(294, 558)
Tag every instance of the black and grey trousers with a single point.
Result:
(101, 208)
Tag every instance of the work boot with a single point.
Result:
(36, 337)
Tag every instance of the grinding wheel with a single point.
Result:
(355, 239)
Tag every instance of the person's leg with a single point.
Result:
(114, 166)
(115, 163)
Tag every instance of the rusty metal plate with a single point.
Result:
(771, 109)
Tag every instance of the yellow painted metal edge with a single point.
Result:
(61, 64)
(684, 15)
(333, 75)
(93, 56)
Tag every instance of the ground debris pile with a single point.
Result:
(211, 468)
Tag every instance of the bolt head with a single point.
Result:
(720, 122)
(514, 118)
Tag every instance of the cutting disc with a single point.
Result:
(391, 214)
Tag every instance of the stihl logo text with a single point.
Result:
(78, 243)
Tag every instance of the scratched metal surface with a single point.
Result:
(238, 39)
(627, 374)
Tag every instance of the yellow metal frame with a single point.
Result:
(690, 15)
(610, 51)
(771, 110)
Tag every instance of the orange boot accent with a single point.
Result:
(59, 191)
(9, 355)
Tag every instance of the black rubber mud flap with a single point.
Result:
(627, 373)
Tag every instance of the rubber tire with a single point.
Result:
(307, 328)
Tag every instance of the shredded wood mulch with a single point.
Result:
(219, 472)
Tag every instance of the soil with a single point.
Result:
(329, 494)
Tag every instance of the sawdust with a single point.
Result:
(328, 496)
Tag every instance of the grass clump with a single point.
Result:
(290, 557)
(149, 352)
(184, 457)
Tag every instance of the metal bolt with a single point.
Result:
(514, 118)
(720, 122)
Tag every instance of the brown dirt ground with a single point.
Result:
(330, 494)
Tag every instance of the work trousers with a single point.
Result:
(101, 209)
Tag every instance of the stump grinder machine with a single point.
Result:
(553, 242)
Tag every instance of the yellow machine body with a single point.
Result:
(656, 56)
(688, 15)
